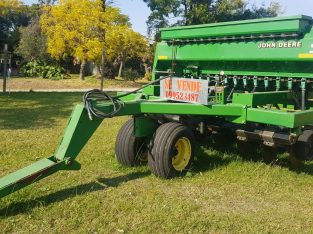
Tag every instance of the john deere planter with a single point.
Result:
(252, 79)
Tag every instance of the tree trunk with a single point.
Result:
(147, 69)
(103, 51)
(82, 70)
(102, 69)
(121, 69)
(96, 71)
(185, 11)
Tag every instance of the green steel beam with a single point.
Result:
(77, 133)
(280, 118)
(165, 107)
(303, 118)
(237, 113)
(28, 175)
(191, 109)
(261, 98)
(129, 108)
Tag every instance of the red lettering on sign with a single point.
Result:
(168, 84)
(186, 90)
(179, 84)
(190, 86)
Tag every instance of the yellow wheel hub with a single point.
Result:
(183, 154)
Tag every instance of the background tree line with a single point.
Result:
(191, 12)
(53, 37)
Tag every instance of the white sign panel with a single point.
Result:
(185, 90)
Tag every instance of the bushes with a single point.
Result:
(41, 69)
(130, 74)
(32, 69)
(54, 72)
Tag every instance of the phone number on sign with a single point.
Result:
(180, 96)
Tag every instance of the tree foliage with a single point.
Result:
(13, 14)
(188, 12)
(73, 30)
(124, 45)
(33, 44)
(7, 6)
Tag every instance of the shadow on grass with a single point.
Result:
(80, 190)
(226, 151)
(223, 151)
(35, 110)
(304, 167)
(205, 162)
(36, 117)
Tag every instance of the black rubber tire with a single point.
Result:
(304, 146)
(129, 149)
(162, 149)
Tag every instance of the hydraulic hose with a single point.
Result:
(98, 95)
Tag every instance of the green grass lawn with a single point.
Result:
(223, 193)
(72, 82)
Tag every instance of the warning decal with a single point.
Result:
(185, 90)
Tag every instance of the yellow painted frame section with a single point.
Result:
(305, 56)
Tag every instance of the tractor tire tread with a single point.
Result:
(161, 146)
(124, 145)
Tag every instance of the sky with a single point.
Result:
(139, 12)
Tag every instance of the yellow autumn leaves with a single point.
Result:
(7, 5)
(81, 29)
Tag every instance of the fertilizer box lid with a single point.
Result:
(293, 24)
